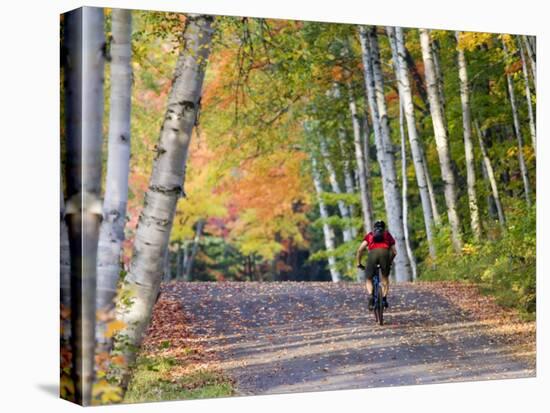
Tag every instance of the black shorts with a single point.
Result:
(378, 256)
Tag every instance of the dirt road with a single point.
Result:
(295, 337)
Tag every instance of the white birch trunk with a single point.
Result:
(519, 135)
(366, 203)
(397, 43)
(111, 235)
(532, 128)
(468, 145)
(491, 177)
(179, 268)
(442, 140)
(342, 207)
(84, 43)
(431, 192)
(532, 60)
(327, 230)
(165, 188)
(439, 81)
(194, 250)
(384, 147)
(410, 253)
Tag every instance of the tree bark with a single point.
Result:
(84, 44)
(342, 207)
(366, 203)
(519, 135)
(111, 234)
(491, 176)
(375, 93)
(431, 192)
(468, 146)
(195, 249)
(165, 188)
(397, 43)
(532, 58)
(404, 192)
(327, 230)
(442, 140)
(532, 128)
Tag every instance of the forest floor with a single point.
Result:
(296, 337)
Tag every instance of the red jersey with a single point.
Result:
(386, 243)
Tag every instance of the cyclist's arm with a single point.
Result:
(360, 251)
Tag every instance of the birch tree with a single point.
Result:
(142, 282)
(531, 55)
(335, 185)
(328, 232)
(532, 128)
(441, 140)
(491, 176)
(404, 192)
(191, 259)
(468, 146)
(84, 44)
(375, 94)
(364, 192)
(397, 43)
(111, 233)
(517, 130)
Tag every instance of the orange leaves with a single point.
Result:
(114, 327)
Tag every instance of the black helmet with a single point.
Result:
(380, 224)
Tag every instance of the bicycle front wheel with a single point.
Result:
(380, 306)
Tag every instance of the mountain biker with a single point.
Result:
(381, 251)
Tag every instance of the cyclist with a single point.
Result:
(381, 251)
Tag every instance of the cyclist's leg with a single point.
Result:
(385, 264)
(369, 271)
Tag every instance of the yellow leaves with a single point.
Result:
(469, 249)
(66, 387)
(471, 40)
(113, 327)
(106, 393)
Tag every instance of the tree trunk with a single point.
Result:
(84, 44)
(366, 203)
(165, 188)
(327, 230)
(166, 266)
(404, 192)
(348, 182)
(491, 177)
(431, 192)
(532, 127)
(468, 146)
(439, 80)
(195, 249)
(442, 140)
(397, 43)
(519, 136)
(384, 147)
(532, 59)
(185, 261)
(342, 207)
(111, 234)
(178, 263)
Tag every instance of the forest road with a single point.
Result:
(297, 337)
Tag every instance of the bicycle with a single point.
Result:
(377, 295)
